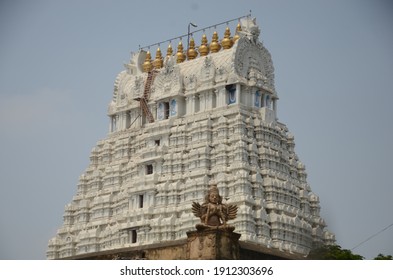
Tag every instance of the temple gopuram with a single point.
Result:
(199, 119)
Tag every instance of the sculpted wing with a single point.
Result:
(196, 209)
(231, 212)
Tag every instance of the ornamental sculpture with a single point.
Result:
(213, 213)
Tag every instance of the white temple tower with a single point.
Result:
(178, 124)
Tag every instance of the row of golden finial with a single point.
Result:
(226, 43)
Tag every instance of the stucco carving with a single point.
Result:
(207, 71)
(253, 61)
(221, 75)
(250, 29)
(190, 82)
(138, 86)
(169, 80)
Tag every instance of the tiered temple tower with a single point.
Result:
(178, 123)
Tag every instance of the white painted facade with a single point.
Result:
(215, 122)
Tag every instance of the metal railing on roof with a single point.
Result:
(195, 31)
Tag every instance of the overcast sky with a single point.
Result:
(333, 74)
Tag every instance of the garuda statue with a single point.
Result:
(213, 213)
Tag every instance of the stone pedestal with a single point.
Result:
(212, 244)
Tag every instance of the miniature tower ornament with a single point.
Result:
(213, 213)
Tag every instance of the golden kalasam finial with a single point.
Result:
(169, 50)
(147, 64)
(226, 43)
(191, 52)
(203, 48)
(158, 62)
(180, 56)
(214, 45)
(237, 36)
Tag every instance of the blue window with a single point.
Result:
(173, 107)
(231, 91)
(163, 110)
(257, 102)
(268, 102)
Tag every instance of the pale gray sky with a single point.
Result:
(333, 67)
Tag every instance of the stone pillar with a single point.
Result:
(202, 102)
(220, 97)
(209, 100)
(193, 104)
(110, 124)
(188, 109)
(275, 105)
(153, 110)
(212, 244)
(123, 117)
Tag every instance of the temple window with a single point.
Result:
(140, 200)
(149, 169)
(163, 111)
(268, 102)
(258, 99)
(231, 93)
(133, 236)
(173, 107)
(166, 110)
